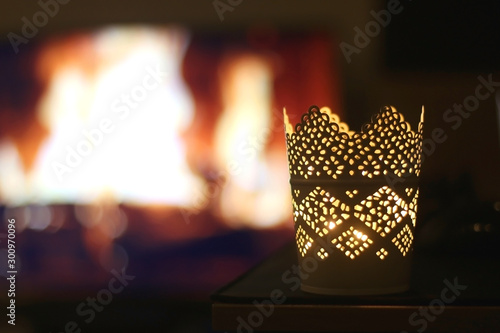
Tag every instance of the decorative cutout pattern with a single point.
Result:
(304, 241)
(323, 147)
(363, 209)
(403, 240)
(381, 211)
(352, 242)
(321, 211)
(382, 253)
(351, 194)
(322, 254)
(412, 208)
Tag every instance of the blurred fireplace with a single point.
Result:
(152, 148)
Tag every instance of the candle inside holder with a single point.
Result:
(354, 197)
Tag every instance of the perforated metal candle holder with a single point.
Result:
(354, 197)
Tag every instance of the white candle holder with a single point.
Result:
(354, 197)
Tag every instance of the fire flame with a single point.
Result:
(115, 109)
(252, 196)
(115, 121)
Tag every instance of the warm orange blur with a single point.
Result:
(141, 159)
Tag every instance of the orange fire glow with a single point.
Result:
(252, 196)
(115, 109)
(114, 122)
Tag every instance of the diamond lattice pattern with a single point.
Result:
(403, 240)
(352, 242)
(381, 211)
(304, 241)
(321, 211)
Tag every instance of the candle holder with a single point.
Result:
(354, 197)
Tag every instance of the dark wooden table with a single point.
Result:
(448, 294)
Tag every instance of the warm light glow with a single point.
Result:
(325, 157)
(118, 119)
(254, 195)
(130, 79)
